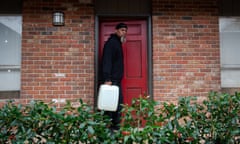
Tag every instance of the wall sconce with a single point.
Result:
(58, 18)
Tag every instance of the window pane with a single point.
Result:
(231, 78)
(10, 52)
(230, 50)
(10, 80)
(230, 41)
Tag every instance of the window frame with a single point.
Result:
(16, 68)
(230, 68)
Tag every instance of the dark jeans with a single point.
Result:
(116, 116)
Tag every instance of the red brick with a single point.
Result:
(195, 34)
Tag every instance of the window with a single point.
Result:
(10, 55)
(230, 51)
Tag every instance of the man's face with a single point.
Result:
(121, 32)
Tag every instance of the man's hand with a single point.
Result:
(108, 83)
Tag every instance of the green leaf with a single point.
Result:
(90, 130)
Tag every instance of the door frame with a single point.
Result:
(98, 19)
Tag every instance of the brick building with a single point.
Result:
(183, 48)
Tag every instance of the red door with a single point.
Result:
(135, 57)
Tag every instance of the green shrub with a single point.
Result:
(214, 121)
(220, 121)
(40, 123)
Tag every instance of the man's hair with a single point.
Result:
(121, 25)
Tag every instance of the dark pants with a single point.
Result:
(116, 116)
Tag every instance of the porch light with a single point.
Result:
(58, 18)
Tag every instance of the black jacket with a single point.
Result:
(112, 60)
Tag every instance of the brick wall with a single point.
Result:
(57, 62)
(186, 53)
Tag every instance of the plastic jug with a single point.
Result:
(108, 97)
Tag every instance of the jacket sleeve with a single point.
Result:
(107, 61)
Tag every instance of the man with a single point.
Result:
(112, 67)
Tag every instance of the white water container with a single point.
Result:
(108, 97)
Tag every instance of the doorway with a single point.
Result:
(135, 79)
